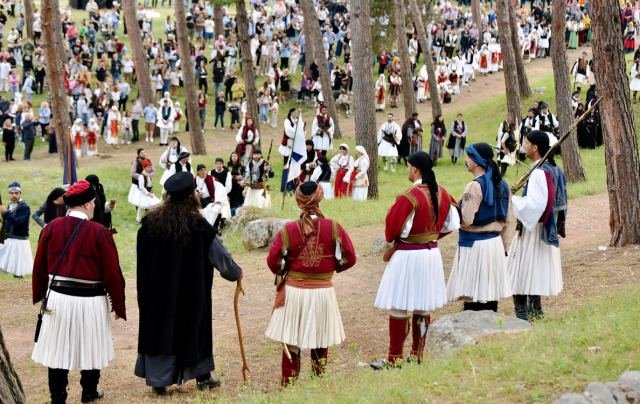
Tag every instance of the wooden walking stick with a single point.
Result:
(515, 188)
(236, 298)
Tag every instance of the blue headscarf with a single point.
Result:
(474, 155)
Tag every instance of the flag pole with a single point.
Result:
(286, 167)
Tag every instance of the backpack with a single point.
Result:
(510, 143)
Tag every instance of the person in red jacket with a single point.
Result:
(305, 254)
(76, 326)
(413, 281)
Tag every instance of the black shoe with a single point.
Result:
(160, 391)
(89, 397)
(211, 383)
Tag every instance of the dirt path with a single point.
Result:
(585, 268)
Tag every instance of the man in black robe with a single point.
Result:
(176, 250)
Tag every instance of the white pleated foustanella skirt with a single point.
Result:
(76, 335)
(141, 200)
(534, 266)
(413, 281)
(15, 257)
(386, 149)
(254, 198)
(327, 189)
(309, 319)
(480, 272)
(165, 176)
(360, 193)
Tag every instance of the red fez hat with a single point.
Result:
(79, 193)
(146, 163)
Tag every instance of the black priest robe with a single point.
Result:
(174, 297)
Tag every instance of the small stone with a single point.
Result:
(602, 248)
(599, 393)
(594, 349)
(362, 365)
(572, 398)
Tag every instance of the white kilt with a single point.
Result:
(327, 189)
(211, 212)
(15, 257)
(468, 69)
(534, 266)
(322, 142)
(480, 272)
(165, 176)
(635, 84)
(254, 198)
(360, 193)
(386, 149)
(580, 78)
(141, 200)
(413, 281)
(309, 319)
(77, 335)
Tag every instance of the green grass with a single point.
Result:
(564, 352)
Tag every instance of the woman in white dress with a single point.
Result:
(381, 92)
(358, 176)
(423, 85)
(141, 195)
(169, 158)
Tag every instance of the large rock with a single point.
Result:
(260, 233)
(599, 393)
(454, 331)
(572, 398)
(379, 246)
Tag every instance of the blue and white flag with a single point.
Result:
(298, 151)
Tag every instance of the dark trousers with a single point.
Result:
(28, 147)
(202, 82)
(477, 306)
(8, 149)
(135, 129)
(219, 115)
(59, 379)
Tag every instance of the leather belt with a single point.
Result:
(72, 284)
(417, 246)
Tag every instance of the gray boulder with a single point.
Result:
(631, 379)
(379, 246)
(454, 331)
(260, 233)
(599, 393)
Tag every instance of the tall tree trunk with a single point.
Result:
(138, 53)
(28, 17)
(436, 106)
(523, 80)
(247, 62)
(509, 62)
(217, 20)
(618, 124)
(10, 386)
(476, 14)
(363, 100)
(408, 96)
(54, 57)
(313, 37)
(570, 155)
(198, 146)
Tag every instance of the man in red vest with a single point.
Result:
(305, 254)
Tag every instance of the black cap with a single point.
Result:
(308, 142)
(179, 185)
(200, 167)
(308, 187)
(219, 160)
(421, 161)
(183, 154)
